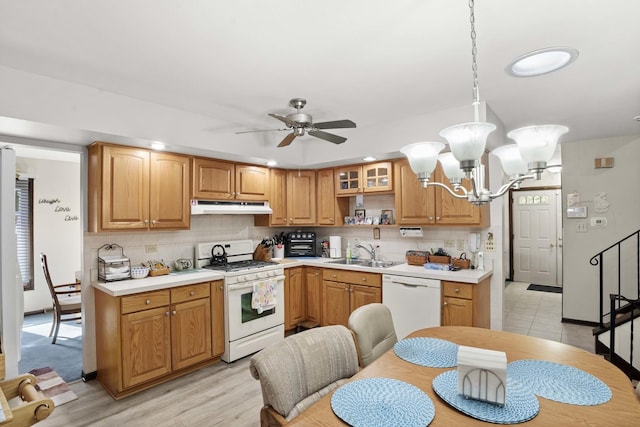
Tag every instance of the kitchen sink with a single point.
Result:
(365, 262)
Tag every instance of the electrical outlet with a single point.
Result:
(489, 245)
(581, 227)
(150, 249)
(460, 245)
(449, 243)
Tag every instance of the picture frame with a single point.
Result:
(360, 213)
(386, 218)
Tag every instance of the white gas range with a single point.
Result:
(247, 329)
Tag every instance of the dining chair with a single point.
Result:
(66, 300)
(372, 325)
(297, 372)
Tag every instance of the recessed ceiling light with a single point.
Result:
(369, 159)
(541, 61)
(271, 163)
(158, 146)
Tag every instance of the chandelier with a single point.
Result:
(526, 159)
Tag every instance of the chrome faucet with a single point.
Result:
(371, 250)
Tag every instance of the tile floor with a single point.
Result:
(539, 314)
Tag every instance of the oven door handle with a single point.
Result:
(249, 285)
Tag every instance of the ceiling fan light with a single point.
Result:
(537, 143)
(450, 166)
(422, 156)
(467, 142)
(511, 160)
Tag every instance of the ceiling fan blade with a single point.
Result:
(327, 136)
(284, 119)
(336, 124)
(262, 130)
(287, 140)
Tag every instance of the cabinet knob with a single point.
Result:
(221, 287)
(153, 222)
(445, 303)
(174, 312)
(334, 276)
(437, 218)
(148, 302)
(346, 289)
(430, 218)
(166, 313)
(192, 293)
(317, 274)
(364, 279)
(457, 290)
(146, 221)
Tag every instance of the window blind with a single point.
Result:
(24, 230)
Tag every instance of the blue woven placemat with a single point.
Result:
(430, 352)
(521, 404)
(558, 382)
(382, 402)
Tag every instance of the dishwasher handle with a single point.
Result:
(410, 285)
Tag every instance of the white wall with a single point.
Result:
(581, 287)
(57, 225)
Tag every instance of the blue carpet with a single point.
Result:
(64, 357)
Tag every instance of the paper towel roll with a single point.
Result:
(335, 246)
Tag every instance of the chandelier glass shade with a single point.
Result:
(534, 148)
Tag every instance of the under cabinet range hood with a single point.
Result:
(231, 207)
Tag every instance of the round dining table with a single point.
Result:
(623, 409)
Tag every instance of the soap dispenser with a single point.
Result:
(348, 254)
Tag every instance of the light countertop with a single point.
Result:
(464, 276)
(134, 286)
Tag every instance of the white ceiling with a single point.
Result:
(192, 73)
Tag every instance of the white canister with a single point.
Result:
(278, 251)
(335, 246)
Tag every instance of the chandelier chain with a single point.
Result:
(474, 52)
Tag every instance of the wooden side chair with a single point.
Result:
(66, 301)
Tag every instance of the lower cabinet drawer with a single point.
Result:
(457, 290)
(190, 292)
(144, 301)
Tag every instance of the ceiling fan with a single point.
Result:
(299, 123)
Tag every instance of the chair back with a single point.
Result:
(47, 276)
(298, 371)
(373, 327)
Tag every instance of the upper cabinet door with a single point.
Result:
(252, 183)
(169, 191)
(125, 188)
(301, 197)
(213, 180)
(414, 204)
(348, 180)
(326, 198)
(377, 177)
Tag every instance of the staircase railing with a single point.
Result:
(627, 314)
(618, 274)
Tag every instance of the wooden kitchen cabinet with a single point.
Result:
(219, 180)
(344, 290)
(292, 200)
(136, 189)
(331, 209)
(313, 288)
(466, 304)
(148, 338)
(295, 297)
(368, 178)
(217, 318)
(416, 205)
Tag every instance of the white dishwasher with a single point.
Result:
(414, 302)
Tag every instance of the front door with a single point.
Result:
(537, 250)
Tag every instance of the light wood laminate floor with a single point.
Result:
(227, 395)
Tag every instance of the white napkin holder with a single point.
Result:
(482, 374)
